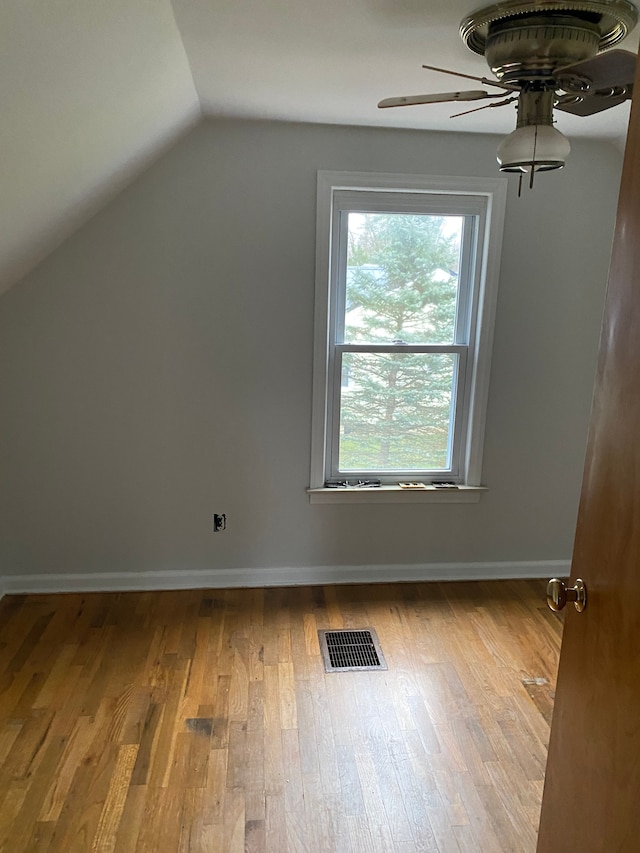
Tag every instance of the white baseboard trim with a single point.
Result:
(291, 576)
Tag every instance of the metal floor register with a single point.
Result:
(346, 650)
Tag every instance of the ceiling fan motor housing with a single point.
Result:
(529, 41)
(538, 45)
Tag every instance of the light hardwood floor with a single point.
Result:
(185, 722)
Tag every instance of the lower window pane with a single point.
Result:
(396, 411)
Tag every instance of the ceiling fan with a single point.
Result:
(544, 56)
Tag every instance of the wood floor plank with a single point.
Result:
(76, 747)
(111, 815)
(273, 762)
(8, 734)
(10, 807)
(275, 824)
(203, 720)
(133, 817)
(293, 791)
(234, 829)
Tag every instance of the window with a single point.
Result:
(407, 272)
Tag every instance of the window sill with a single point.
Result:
(394, 494)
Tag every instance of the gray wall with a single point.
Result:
(157, 367)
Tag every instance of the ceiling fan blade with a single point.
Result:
(443, 97)
(483, 80)
(487, 106)
(596, 102)
(611, 69)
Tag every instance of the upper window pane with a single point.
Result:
(402, 277)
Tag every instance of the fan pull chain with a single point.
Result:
(533, 158)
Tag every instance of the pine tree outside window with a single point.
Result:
(406, 288)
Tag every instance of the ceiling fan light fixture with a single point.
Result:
(546, 54)
(534, 147)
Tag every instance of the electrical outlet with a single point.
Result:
(219, 522)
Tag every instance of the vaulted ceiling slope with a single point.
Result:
(91, 90)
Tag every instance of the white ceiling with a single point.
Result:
(332, 61)
(90, 90)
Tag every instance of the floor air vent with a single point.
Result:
(344, 651)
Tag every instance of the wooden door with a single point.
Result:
(591, 800)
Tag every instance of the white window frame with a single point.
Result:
(482, 201)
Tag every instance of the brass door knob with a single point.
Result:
(558, 594)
